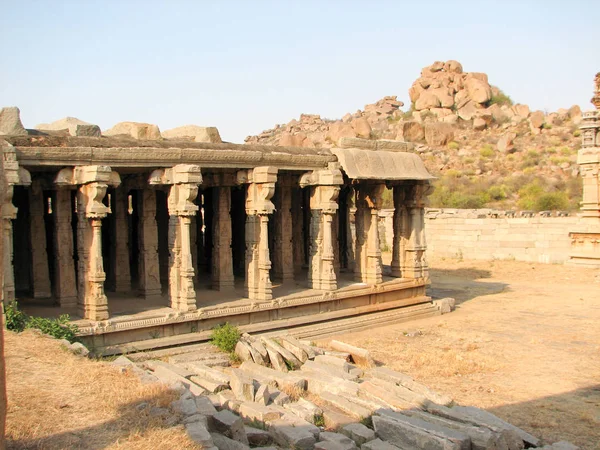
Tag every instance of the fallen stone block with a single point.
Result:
(270, 344)
(257, 437)
(335, 419)
(229, 425)
(331, 446)
(88, 130)
(205, 406)
(292, 435)
(406, 435)
(418, 426)
(241, 385)
(445, 305)
(345, 405)
(225, 443)
(334, 361)
(314, 366)
(227, 400)
(304, 409)
(358, 433)
(359, 355)
(254, 411)
(405, 394)
(294, 347)
(344, 355)
(561, 445)
(153, 364)
(374, 392)
(281, 379)
(186, 405)
(171, 379)
(196, 418)
(484, 417)
(263, 395)
(317, 383)
(277, 360)
(242, 351)
(202, 370)
(121, 361)
(208, 384)
(342, 441)
(280, 398)
(198, 433)
(378, 444)
(383, 373)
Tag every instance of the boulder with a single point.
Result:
(438, 134)
(537, 119)
(468, 111)
(68, 123)
(411, 131)
(479, 124)
(10, 122)
(521, 110)
(427, 100)
(193, 133)
(478, 90)
(88, 130)
(445, 98)
(453, 66)
(574, 111)
(506, 142)
(137, 130)
(361, 127)
(339, 130)
(230, 425)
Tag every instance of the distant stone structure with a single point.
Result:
(205, 233)
(586, 240)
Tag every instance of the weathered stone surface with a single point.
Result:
(208, 384)
(270, 344)
(506, 142)
(427, 100)
(242, 351)
(335, 441)
(88, 130)
(333, 446)
(358, 433)
(254, 411)
(359, 355)
(378, 444)
(338, 130)
(438, 133)
(290, 435)
(478, 90)
(345, 405)
(193, 132)
(257, 437)
(263, 395)
(203, 370)
(319, 382)
(227, 400)
(294, 347)
(446, 305)
(205, 406)
(241, 385)
(280, 398)
(225, 443)
(404, 434)
(333, 361)
(537, 119)
(468, 110)
(361, 127)
(411, 131)
(370, 390)
(198, 433)
(136, 130)
(186, 405)
(67, 123)
(277, 360)
(335, 419)
(406, 381)
(230, 425)
(170, 378)
(304, 409)
(281, 379)
(10, 121)
(328, 370)
(257, 351)
(479, 124)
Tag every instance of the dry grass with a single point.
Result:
(57, 400)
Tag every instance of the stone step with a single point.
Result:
(335, 418)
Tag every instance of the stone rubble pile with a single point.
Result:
(289, 394)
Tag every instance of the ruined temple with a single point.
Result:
(145, 239)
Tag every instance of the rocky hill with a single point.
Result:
(486, 150)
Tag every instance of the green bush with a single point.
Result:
(500, 99)
(453, 145)
(17, 320)
(225, 337)
(552, 201)
(487, 151)
(497, 192)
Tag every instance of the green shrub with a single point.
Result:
(566, 151)
(487, 151)
(552, 201)
(576, 133)
(500, 99)
(453, 145)
(225, 337)
(17, 320)
(497, 192)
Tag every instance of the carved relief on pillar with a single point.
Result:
(401, 227)
(222, 259)
(184, 180)
(148, 264)
(297, 230)
(122, 272)
(65, 288)
(283, 253)
(39, 255)
(261, 187)
(93, 182)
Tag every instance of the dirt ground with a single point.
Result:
(523, 343)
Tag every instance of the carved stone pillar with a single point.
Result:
(122, 272)
(184, 180)
(65, 288)
(93, 182)
(413, 261)
(297, 232)
(222, 258)
(283, 254)
(39, 255)
(261, 187)
(325, 188)
(368, 268)
(400, 226)
(148, 266)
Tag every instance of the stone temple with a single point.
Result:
(146, 239)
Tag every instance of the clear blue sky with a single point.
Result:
(244, 66)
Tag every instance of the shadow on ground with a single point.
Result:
(462, 284)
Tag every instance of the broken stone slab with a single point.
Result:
(208, 384)
(171, 378)
(333, 361)
(341, 440)
(383, 373)
(318, 383)
(417, 426)
(254, 411)
(185, 405)
(445, 305)
(485, 417)
(258, 346)
(332, 371)
(358, 432)
(355, 410)
(257, 356)
(315, 349)
(481, 438)
(360, 356)
(277, 360)
(263, 395)
(306, 348)
(152, 364)
(368, 403)
(88, 130)
(378, 444)
(282, 380)
(291, 434)
(198, 433)
(406, 435)
(205, 406)
(229, 425)
(288, 356)
(279, 398)
(405, 394)
(196, 418)
(561, 445)
(205, 371)
(511, 439)
(241, 385)
(335, 419)
(371, 391)
(242, 351)
(257, 437)
(225, 443)
(333, 446)
(294, 347)
(304, 409)
(227, 400)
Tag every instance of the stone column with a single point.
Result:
(184, 180)
(297, 232)
(413, 262)
(283, 254)
(122, 270)
(39, 255)
(9, 213)
(148, 266)
(93, 182)
(368, 268)
(65, 288)
(261, 187)
(400, 227)
(222, 258)
(325, 189)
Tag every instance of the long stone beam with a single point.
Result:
(163, 157)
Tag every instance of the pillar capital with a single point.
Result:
(179, 174)
(261, 188)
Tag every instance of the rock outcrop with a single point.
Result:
(10, 121)
(136, 130)
(73, 125)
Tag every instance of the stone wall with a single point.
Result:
(481, 235)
